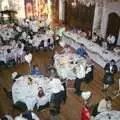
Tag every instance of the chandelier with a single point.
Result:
(87, 3)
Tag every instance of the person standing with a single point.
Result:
(110, 69)
(80, 75)
(85, 112)
(57, 96)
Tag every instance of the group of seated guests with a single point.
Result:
(56, 88)
(83, 72)
(89, 112)
(23, 30)
(29, 37)
(80, 32)
(28, 115)
(13, 54)
(107, 43)
(20, 44)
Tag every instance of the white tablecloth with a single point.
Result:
(3, 52)
(65, 65)
(7, 33)
(34, 117)
(97, 53)
(37, 40)
(110, 115)
(15, 52)
(28, 93)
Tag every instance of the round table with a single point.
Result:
(26, 91)
(65, 65)
(108, 115)
(3, 52)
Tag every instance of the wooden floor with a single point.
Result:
(70, 110)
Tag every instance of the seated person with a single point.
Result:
(83, 34)
(99, 40)
(14, 76)
(94, 37)
(13, 43)
(81, 51)
(41, 45)
(35, 70)
(42, 98)
(20, 54)
(7, 117)
(9, 54)
(104, 44)
(111, 40)
(50, 43)
(89, 35)
(66, 48)
(28, 115)
(105, 104)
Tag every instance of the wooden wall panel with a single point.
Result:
(79, 16)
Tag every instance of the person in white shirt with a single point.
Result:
(57, 97)
(105, 105)
(80, 75)
(111, 40)
(56, 85)
(94, 37)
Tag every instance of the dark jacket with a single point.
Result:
(114, 68)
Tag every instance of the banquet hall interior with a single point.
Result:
(59, 59)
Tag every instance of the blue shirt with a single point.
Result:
(81, 52)
(35, 71)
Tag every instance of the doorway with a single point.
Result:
(113, 25)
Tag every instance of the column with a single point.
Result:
(5, 5)
(104, 22)
(118, 41)
(21, 10)
(49, 10)
(62, 10)
(98, 16)
(104, 19)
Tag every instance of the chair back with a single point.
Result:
(20, 105)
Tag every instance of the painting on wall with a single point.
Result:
(29, 8)
(36, 8)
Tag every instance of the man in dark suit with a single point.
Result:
(110, 70)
